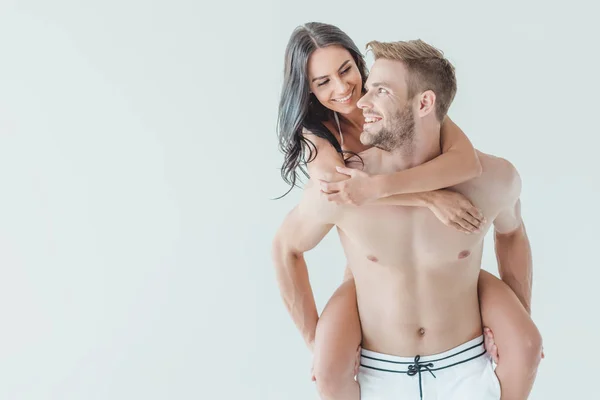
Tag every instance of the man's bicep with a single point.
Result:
(509, 219)
(509, 191)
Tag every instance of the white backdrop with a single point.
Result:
(138, 160)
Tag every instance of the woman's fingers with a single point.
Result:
(475, 223)
(476, 213)
(458, 227)
(459, 219)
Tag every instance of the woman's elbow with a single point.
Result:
(475, 168)
(326, 174)
(319, 173)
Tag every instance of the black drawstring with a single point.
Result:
(416, 368)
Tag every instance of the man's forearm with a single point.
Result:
(294, 286)
(513, 252)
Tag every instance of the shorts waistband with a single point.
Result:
(409, 365)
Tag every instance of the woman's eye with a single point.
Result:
(323, 83)
(346, 70)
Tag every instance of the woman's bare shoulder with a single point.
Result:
(322, 166)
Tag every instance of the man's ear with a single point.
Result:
(426, 103)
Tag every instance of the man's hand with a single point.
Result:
(357, 361)
(359, 189)
(490, 344)
(311, 347)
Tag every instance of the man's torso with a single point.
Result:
(416, 278)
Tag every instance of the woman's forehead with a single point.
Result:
(327, 59)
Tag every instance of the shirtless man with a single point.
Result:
(416, 279)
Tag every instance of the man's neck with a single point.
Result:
(425, 146)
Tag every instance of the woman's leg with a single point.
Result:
(337, 339)
(517, 338)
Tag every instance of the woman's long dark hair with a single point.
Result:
(298, 108)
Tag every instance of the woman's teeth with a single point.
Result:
(371, 120)
(344, 99)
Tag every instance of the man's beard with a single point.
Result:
(398, 131)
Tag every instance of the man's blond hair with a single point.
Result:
(427, 67)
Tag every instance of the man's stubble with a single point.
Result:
(397, 133)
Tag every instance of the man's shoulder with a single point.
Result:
(314, 203)
(499, 174)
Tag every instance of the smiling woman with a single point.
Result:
(339, 90)
(299, 109)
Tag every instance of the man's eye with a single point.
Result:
(382, 90)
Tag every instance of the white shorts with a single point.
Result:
(463, 373)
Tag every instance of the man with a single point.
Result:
(416, 279)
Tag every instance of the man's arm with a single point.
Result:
(303, 228)
(513, 250)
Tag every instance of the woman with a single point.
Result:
(320, 122)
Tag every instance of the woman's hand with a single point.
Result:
(455, 210)
(359, 189)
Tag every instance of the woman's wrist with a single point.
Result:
(426, 198)
(381, 186)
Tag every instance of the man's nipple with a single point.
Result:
(464, 254)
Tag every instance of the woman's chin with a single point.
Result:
(344, 108)
(365, 138)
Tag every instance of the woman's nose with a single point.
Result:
(342, 86)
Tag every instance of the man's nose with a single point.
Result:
(364, 102)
